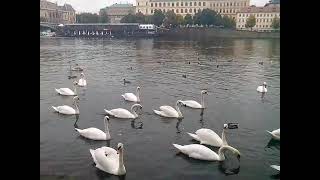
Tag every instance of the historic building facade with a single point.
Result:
(263, 15)
(184, 7)
(116, 11)
(52, 13)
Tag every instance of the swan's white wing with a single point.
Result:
(192, 104)
(200, 152)
(121, 113)
(66, 91)
(66, 109)
(275, 167)
(130, 97)
(169, 111)
(261, 89)
(107, 159)
(207, 136)
(92, 133)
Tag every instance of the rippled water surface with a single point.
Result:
(158, 67)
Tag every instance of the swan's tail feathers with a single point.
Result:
(93, 156)
(194, 136)
(269, 132)
(57, 90)
(55, 108)
(158, 112)
(179, 147)
(275, 167)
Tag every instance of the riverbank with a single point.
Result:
(207, 33)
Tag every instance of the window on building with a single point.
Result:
(244, 4)
(231, 4)
(181, 4)
(172, 4)
(194, 10)
(164, 4)
(177, 10)
(204, 3)
(214, 4)
(185, 10)
(186, 4)
(177, 4)
(199, 3)
(227, 4)
(151, 10)
(155, 4)
(199, 10)
(164, 10)
(239, 15)
(168, 4)
(195, 3)
(190, 4)
(138, 4)
(160, 4)
(151, 4)
(190, 10)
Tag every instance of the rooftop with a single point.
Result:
(266, 9)
(116, 5)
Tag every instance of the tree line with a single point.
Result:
(92, 18)
(170, 19)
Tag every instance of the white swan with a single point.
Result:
(195, 104)
(96, 134)
(168, 111)
(82, 81)
(275, 167)
(201, 152)
(131, 96)
(67, 109)
(109, 160)
(67, 91)
(209, 137)
(123, 113)
(275, 134)
(263, 88)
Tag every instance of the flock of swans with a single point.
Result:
(111, 160)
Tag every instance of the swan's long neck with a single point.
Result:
(179, 112)
(223, 137)
(202, 100)
(121, 167)
(75, 89)
(77, 109)
(106, 128)
(138, 95)
(133, 111)
(221, 151)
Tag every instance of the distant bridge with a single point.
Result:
(52, 26)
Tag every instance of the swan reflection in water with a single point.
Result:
(231, 165)
(136, 125)
(177, 125)
(103, 175)
(75, 123)
(273, 144)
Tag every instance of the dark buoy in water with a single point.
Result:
(125, 81)
(185, 76)
(217, 66)
(261, 62)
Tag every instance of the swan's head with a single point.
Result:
(107, 118)
(138, 88)
(138, 105)
(225, 126)
(179, 102)
(119, 148)
(75, 82)
(204, 92)
(264, 84)
(76, 98)
(82, 74)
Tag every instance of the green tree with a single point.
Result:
(188, 19)
(148, 19)
(228, 22)
(87, 18)
(251, 22)
(157, 17)
(179, 19)
(103, 17)
(206, 17)
(170, 19)
(130, 18)
(140, 18)
(275, 23)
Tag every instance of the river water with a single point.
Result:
(229, 69)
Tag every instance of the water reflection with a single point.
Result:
(273, 144)
(75, 123)
(103, 175)
(275, 176)
(177, 126)
(136, 125)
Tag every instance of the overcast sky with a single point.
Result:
(95, 5)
